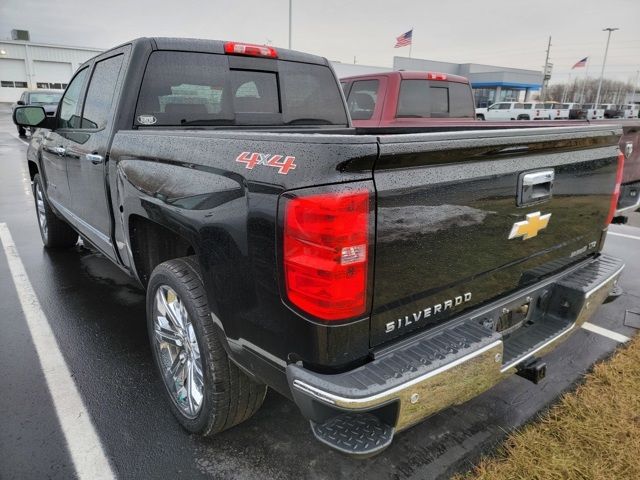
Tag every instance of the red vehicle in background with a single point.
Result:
(402, 99)
(408, 99)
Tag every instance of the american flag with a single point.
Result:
(582, 63)
(404, 39)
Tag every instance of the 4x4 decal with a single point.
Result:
(251, 159)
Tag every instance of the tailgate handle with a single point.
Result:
(535, 187)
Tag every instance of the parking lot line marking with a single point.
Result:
(83, 442)
(624, 235)
(618, 337)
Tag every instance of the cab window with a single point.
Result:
(97, 105)
(70, 103)
(362, 99)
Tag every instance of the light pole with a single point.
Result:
(604, 61)
(635, 86)
(290, 2)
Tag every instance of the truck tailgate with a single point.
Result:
(464, 217)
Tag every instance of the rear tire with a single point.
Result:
(55, 232)
(207, 392)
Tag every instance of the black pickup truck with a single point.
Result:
(372, 276)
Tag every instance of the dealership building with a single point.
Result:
(28, 65)
(490, 83)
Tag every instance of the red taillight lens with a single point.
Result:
(326, 244)
(436, 76)
(235, 48)
(616, 191)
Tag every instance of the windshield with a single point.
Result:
(44, 98)
(185, 88)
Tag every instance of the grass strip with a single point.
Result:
(592, 433)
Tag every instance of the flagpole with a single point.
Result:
(411, 44)
(584, 83)
(566, 89)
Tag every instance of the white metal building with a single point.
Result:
(28, 65)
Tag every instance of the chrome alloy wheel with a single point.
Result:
(42, 217)
(177, 350)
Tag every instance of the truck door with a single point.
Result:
(56, 142)
(88, 155)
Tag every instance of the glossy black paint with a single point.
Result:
(188, 182)
(446, 208)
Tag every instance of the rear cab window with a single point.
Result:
(435, 99)
(188, 88)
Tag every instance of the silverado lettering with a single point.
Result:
(427, 312)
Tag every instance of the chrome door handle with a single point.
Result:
(60, 150)
(94, 158)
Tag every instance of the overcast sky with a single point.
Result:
(501, 32)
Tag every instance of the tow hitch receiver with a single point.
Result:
(534, 370)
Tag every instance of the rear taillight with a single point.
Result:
(616, 192)
(235, 48)
(326, 250)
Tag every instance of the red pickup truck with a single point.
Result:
(420, 99)
(408, 99)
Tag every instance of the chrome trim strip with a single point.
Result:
(533, 352)
(65, 211)
(330, 397)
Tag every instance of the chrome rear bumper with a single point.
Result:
(458, 361)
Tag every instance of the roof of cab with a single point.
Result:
(211, 46)
(410, 75)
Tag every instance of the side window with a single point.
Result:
(97, 105)
(362, 99)
(505, 106)
(69, 105)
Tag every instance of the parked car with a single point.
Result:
(612, 110)
(566, 111)
(514, 111)
(631, 110)
(48, 99)
(594, 112)
(398, 98)
(227, 178)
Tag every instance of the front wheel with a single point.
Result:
(207, 392)
(55, 233)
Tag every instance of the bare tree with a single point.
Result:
(584, 91)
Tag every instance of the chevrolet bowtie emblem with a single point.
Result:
(530, 227)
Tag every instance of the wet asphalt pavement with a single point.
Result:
(97, 316)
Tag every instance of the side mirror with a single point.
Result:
(20, 102)
(30, 116)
